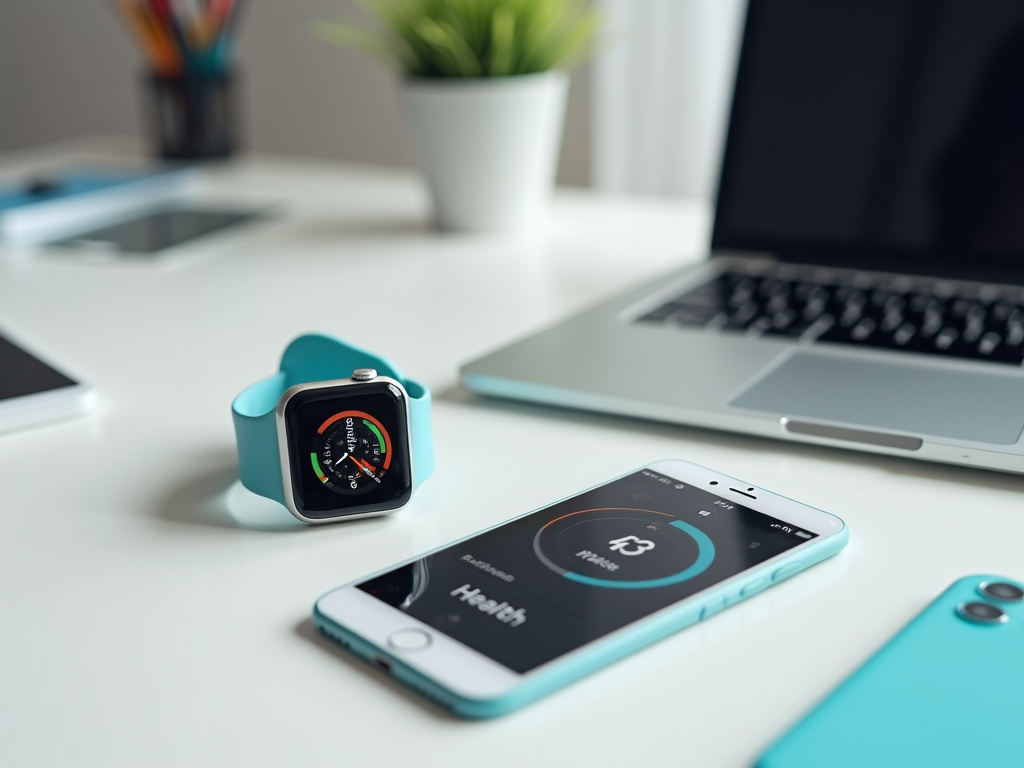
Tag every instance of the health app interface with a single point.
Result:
(542, 585)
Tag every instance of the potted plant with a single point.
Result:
(484, 96)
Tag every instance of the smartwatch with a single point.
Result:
(336, 434)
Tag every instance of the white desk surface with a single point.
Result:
(156, 614)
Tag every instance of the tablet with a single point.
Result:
(156, 231)
(32, 391)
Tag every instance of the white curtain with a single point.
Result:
(661, 92)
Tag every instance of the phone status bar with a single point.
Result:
(670, 481)
(673, 483)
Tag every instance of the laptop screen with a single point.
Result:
(884, 134)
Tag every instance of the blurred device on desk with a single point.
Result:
(157, 231)
(50, 206)
(32, 391)
(113, 211)
(866, 281)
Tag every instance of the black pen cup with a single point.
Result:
(193, 116)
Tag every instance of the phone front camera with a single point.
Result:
(982, 613)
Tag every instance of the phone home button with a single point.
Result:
(409, 640)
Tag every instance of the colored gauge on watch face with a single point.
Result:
(351, 452)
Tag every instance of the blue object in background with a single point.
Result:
(46, 189)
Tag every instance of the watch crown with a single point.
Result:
(364, 374)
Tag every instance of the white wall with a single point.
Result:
(70, 67)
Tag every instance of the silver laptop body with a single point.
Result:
(866, 281)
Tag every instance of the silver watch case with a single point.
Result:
(286, 465)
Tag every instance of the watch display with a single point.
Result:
(351, 452)
(348, 449)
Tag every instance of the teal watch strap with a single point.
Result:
(316, 357)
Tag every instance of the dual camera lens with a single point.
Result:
(986, 613)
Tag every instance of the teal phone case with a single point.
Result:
(598, 653)
(944, 693)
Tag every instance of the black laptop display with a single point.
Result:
(884, 134)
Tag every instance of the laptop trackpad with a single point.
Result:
(981, 407)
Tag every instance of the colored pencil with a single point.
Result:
(183, 37)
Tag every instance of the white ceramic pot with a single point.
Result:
(488, 146)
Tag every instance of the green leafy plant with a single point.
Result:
(471, 38)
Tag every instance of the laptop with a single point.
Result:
(865, 286)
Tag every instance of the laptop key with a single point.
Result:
(932, 322)
(946, 338)
(891, 322)
(973, 332)
(904, 334)
(760, 326)
(863, 330)
(988, 343)
(851, 315)
(743, 316)
(818, 328)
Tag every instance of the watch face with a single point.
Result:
(348, 449)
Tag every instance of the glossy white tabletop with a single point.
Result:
(155, 613)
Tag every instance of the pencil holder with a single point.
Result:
(193, 116)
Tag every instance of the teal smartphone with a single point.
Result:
(946, 692)
(494, 621)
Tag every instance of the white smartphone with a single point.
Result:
(496, 620)
(32, 391)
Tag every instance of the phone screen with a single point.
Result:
(544, 584)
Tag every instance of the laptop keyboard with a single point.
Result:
(980, 323)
